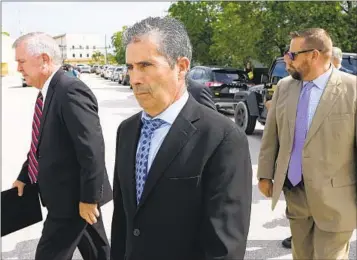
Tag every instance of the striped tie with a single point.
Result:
(33, 164)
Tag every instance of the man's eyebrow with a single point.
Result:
(139, 63)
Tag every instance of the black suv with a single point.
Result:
(250, 104)
(223, 82)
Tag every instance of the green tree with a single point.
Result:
(98, 57)
(111, 59)
(198, 18)
(280, 18)
(118, 45)
(235, 33)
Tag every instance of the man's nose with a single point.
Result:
(136, 77)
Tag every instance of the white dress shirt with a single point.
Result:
(169, 116)
(47, 84)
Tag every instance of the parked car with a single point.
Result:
(349, 61)
(125, 78)
(121, 74)
(108, 72)
(223, 82)
(115, 76)
(84, 68)
(98, 70)
(104, 68)
(94, 68)
(250, 104)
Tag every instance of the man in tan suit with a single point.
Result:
(308, 149)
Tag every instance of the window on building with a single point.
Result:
(87, 55)
(73, 47)
(73, 55)
(93, 47)
(80, 55)
(80, 46)
(87, 47)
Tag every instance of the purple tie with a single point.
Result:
(301, 128)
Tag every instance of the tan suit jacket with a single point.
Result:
(329, 154)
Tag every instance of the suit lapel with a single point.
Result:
(180, 132)
(327, 101)
(129, 147)
(293, 99)
(48, 99)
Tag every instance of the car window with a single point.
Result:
(228, 77)
(206, 75)
(197, 74)
(279, 70)
(350, 63)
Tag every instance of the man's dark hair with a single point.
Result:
(315, 38)
(171, 34)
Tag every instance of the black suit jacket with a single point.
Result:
(201, 93)
(70, 149)
(197, 199)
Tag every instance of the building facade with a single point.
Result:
(8, 63)
(79, 48)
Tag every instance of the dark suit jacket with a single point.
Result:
(201, 93)
(70, 150)
(197, 199)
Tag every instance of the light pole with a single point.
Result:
(62, 47)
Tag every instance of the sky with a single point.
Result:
(57, 18)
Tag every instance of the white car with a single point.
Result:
(115, 76)
(108, 72)
(84, 68)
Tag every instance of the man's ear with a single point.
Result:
(45, 59)
(183, 65)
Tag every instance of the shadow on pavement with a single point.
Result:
(256, 249)
(25, 250)
(278, 222)
(264, 249)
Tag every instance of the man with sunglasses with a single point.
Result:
(308, 149)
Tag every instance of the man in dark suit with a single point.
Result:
(200, 93)
(66, 158)
(183, 175)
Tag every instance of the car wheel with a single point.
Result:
(243, 119)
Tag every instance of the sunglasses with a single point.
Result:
(292, 55)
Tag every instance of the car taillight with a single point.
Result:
(213, 84)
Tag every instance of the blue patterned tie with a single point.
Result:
(301, 128)
(142, 156)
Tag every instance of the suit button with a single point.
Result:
(136, 232)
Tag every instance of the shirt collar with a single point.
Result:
(322, 80)
(47, 83)
(169, 114)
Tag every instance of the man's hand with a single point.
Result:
(20, 187)
(89, 212)
(266, 187)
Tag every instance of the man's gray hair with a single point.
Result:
(38, 43)
(171, 34)
(337, 53)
